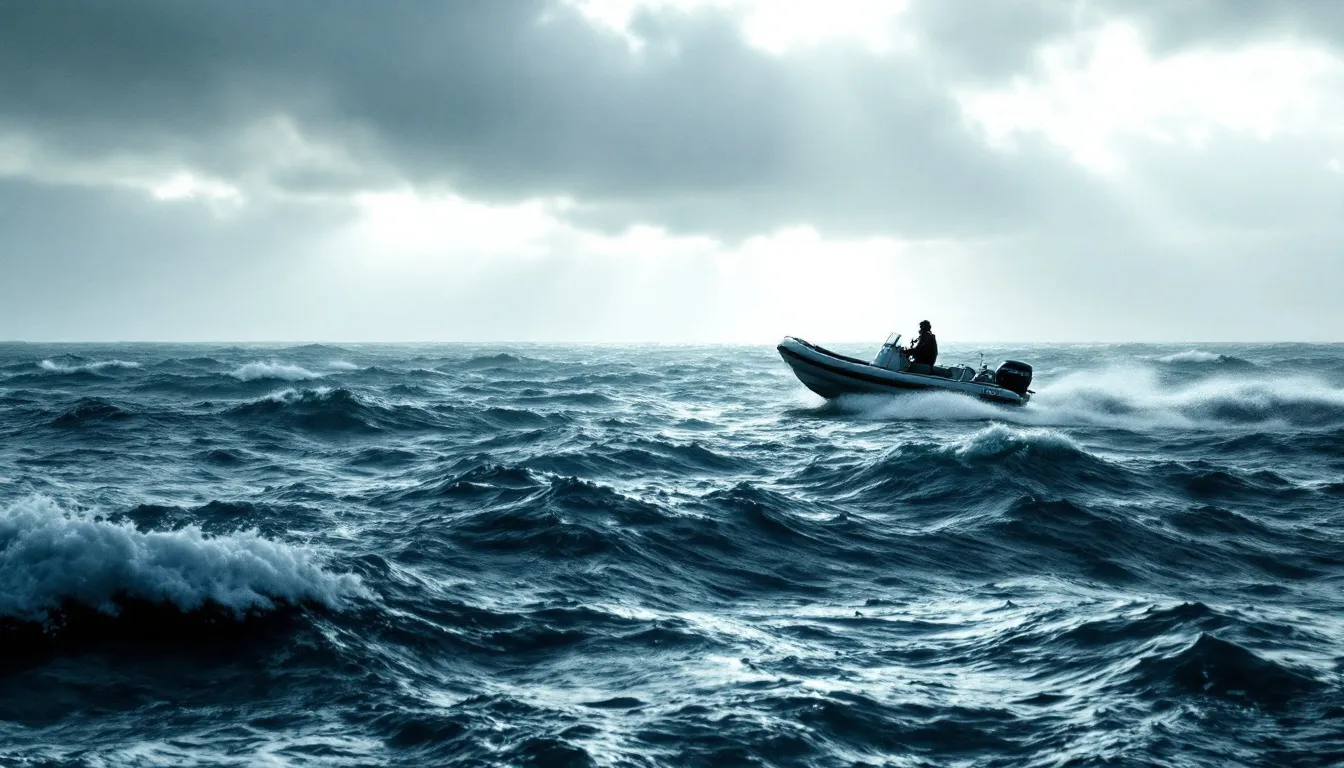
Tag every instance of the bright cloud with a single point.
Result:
(771, 25)
(645, 283)
(1093, 90)
(188, 186)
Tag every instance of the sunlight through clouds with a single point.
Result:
(188, 186)
(674, 170)
(1093, 90)
(644, 283)
(775, 26)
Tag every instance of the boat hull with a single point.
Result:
(831, 375)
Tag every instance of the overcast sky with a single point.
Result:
(655, 170)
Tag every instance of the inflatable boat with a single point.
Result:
(830, 374)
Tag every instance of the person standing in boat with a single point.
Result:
(923, 350)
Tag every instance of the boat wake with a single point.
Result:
(1133, 399)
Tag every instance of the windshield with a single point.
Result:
(891, 340)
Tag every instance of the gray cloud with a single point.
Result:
(506, 101)
(303, 103)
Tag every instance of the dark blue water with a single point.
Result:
(545, 555)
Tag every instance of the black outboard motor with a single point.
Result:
(1014, 376)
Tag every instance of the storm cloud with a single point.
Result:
(247, 136)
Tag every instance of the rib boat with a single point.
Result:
(831, 374)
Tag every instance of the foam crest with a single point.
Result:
(55, 367)
(50, 556)
(1000, 439)
(342, 365)
(291, 396)
(258, 370)
(1191, 356)
(1198, 357)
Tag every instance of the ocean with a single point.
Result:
(667, 556)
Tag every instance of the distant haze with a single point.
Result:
(652, 170)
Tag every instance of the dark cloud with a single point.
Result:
(511, 100)
(303, 102)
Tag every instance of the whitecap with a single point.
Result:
(1191, 356)
(50, 555)
(997, 439)
(55, 367)
(273, 370)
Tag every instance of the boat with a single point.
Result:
(831, 374)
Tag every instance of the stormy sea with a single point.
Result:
(667, 556)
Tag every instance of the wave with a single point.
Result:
(273, 370)
(324, 409)
(976, 468)
(1211, 666)
(1150, 625)
(565, 517)
(587, 399)
(50, 556)
(999, 440)
(637, 456)
(475, 482)
(500, 360)
(89, 410)
(1205, 481)
(52, 366)
(225, 456)
(522, 417)
(311, 408)
(1200, 357)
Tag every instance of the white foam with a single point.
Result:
(1132, 398)
(54, 367)
(1138, 399)
(1191, 356)
(49, 555)
(273, 370)
(286, 396)
(342, 365)
(921, 406)
(999, 439)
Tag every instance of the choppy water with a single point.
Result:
(548, 555)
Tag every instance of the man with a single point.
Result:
(923, 350)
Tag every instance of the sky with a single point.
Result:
(671, 171)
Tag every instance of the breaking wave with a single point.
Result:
(326, 409)
(634, 555)
(273, 370)
(100, 365)
(1200, 357)
(999, 440)
(50, 555)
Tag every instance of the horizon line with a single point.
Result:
(645, 343)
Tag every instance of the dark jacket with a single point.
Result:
(925, 349)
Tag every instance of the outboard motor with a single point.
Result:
(1014, 376)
